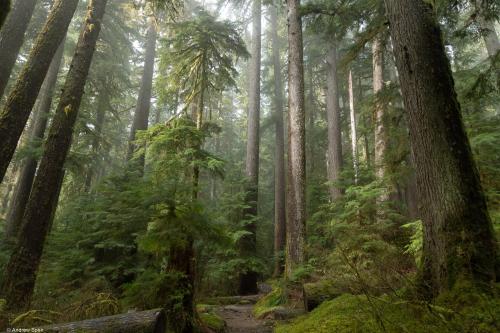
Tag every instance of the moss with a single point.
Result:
(349, 313)
(213, 322)
(269, 302)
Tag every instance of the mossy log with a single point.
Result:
(151, 321)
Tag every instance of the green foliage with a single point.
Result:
(200, 57)
(271, 301)
(350, 313)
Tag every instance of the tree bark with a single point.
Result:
(248, 242)
(4, 11)
(378, 84)
(354, 136)
(12, 37)
(17, 109)
(279, 153)
(28, 170)
(21, 271)
(296, 199)
(488, 31)
(150, 321)
(334, 155)
(141, 114)
(459, 243)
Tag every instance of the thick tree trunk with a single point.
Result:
(21, 271)
(334, 155)
(28, 170)
(378, 85)
(17, 109)
(150, 321)
(488, 31)
(248, 243)
(141, 114)
(310, 113)
(12, 37)
(459, 242)
(279, 153)
(296, 199)
(102, 102)
(4, 11)
(354, 136)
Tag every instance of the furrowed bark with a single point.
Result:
(279, 154)
(459, 243)
(12, 37)
(296, 217)
(16, 111)
(21, 271)
(334, 154)
(150, 321)
(28, 170)
(248, 242)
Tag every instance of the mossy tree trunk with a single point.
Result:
(248, 242)
(458, 236)
(29, 165)
(21, 271)
(17, 109)
(12, 37)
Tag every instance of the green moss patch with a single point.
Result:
(349, 313)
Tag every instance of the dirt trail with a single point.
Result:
(239, 319)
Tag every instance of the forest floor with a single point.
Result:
(240, 319)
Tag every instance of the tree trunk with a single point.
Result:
(28, 170)
(23, 264)
(102, 103)
(296, 200)
(354, 136)
(248, 242)
(310, 124)
(141, 114)
(4, 11)
(488, 31)
(12, 37)
(279, 153)
(459, 242)
(150, 321)
(334, 155)
(17, 109)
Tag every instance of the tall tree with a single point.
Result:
(334, 153)
(487, 27)
(354, 136)
(141, 114)
(4, 11)
(459, 242)
(102, 103)
(16, 111)
(296, 200)
(279, 153)
(25, 258)
(380, 127)
(12, 37)
(28, 169)
(248, 242)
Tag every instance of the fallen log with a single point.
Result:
(150, 321)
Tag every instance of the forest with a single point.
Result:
(249, 166)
